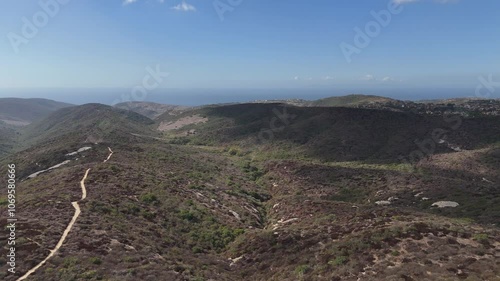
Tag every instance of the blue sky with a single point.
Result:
(258, 44)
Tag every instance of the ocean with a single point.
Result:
(194, 97)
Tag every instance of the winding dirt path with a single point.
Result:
(82, 184)
(70, 225)
(109, 156)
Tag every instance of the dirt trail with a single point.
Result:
(70, 225)
(150, 137)
(109, 156)
(82, 184)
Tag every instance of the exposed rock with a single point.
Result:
(445, 204)
(236, 215)
(383, 203)
(79, 151)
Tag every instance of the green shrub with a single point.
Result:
(89, 274)
(195, 186)
(302, 269)
(99, 207)
(95, 260)
(70, 262)
(149, 198)
(340, 260)
(233, 151)
(188, 215)
(482, 238)
(349, 194)
(197, 250)
(148, 215)
(215, 238)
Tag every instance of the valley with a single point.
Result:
(327, 197)
(231, 140)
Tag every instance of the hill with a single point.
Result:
(45, 143)
(88, 123)
(8, 135)
(20, 112)
(349, 100)
(323, 196)
(326, 133)
(150, 109)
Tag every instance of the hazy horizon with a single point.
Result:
(193, 97)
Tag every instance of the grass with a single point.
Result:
(397, 167)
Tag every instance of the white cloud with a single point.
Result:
(126, 2)
(404, 1)
(400, 2)
(184, 7)
(328, 78)
(372, 78)
(296, 78)
(368, 77)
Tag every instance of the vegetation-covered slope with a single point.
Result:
(333, 134)
(234, 211)
(8, 135)
(87, 123)
(150, 109)
(44, 143)
(18, 111)
(349, 100)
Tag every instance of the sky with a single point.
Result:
(265, 44)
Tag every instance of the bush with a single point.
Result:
(197, 250)
(302, 269)
(215, 238)
(89, 274)
(148, 215)
(481, 238)
(188, 215)
(131, 209)
(180, 141)
(233, 151)
(149, 198)
(95, 260)
(340, 260)
(99, 207)
(70, 262)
